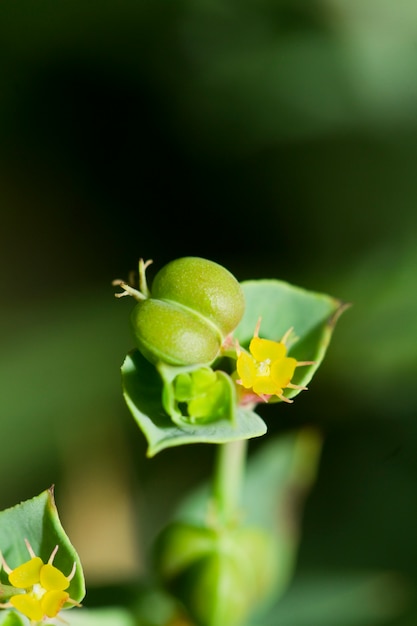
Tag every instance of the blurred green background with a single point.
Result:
(278, 138)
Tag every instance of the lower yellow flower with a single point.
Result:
(266, 370)
(43, 587)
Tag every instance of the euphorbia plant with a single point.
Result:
(210, 350)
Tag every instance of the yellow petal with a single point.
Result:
(264, 349)
(27, 574)
(282, 371)
(53, 601)
(246, 369)
(28, 605)
(52, 579)
(265, 386)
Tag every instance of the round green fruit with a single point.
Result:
(194, 305)
(203, 286)
(168, 333)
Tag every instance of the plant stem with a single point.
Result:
(228, 478)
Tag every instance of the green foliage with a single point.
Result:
(107, 616)
(10, 618)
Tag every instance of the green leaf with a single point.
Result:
(142, 389)
(6, 592)
(109, 616)
(11, 618)
(37, 521)
(282, 306)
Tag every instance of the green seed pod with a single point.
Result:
(169, 333)
(194, 305)
(203, 286)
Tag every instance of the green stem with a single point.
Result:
(228, 479)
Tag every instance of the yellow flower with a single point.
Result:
(267, 370)
(43, 587)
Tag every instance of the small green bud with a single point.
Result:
(180, 545)
(193, 305)
(203, 394)
(220, 575)
(219, 591)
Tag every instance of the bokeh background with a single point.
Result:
(277, 137)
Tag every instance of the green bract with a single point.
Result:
(194, 304)
(150, 396)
